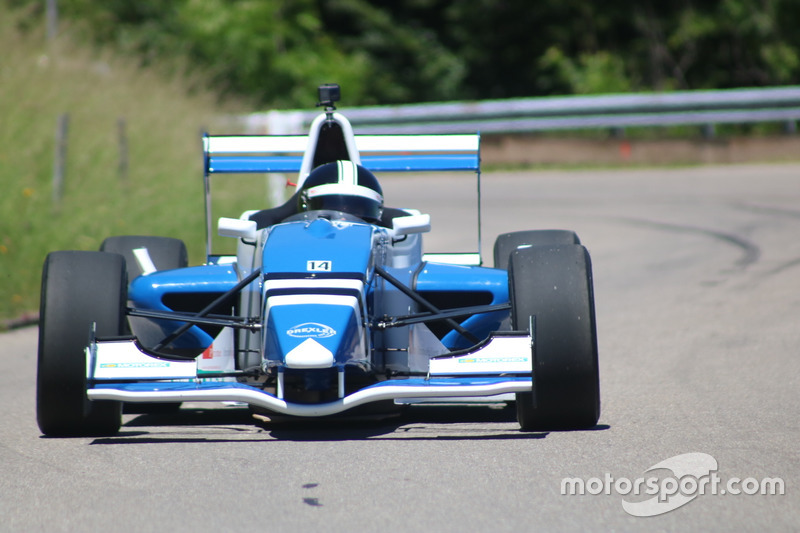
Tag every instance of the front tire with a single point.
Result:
(78, 289)
(166, 253)
(554, 285)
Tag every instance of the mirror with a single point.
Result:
(411, 224)
(234, 227)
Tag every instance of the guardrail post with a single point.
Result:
(709, 131)
(51, 19)
(790, 127)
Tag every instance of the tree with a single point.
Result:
(276, 51)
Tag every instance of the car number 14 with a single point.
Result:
(319, 266)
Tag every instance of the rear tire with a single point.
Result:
(554, 284)
(78, 288)
(166, 253)
(508, 242)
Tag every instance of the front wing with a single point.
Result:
(122, 370)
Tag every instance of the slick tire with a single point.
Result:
(554, 285)
(78, 289)
(508, 242)
(167, 254)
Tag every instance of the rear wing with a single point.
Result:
(379, 153)
(237, 154)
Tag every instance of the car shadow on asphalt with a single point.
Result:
(418, 422)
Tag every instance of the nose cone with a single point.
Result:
(313, 331)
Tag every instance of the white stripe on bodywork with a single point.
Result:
(145, 261)
(467, 259)
(347, 284)
(314, 299)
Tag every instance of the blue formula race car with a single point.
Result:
(328, 305)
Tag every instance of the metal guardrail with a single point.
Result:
(617, 111)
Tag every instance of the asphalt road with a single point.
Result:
(697, 278)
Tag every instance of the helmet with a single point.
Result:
(342, 186)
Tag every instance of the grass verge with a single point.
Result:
(160, 194)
